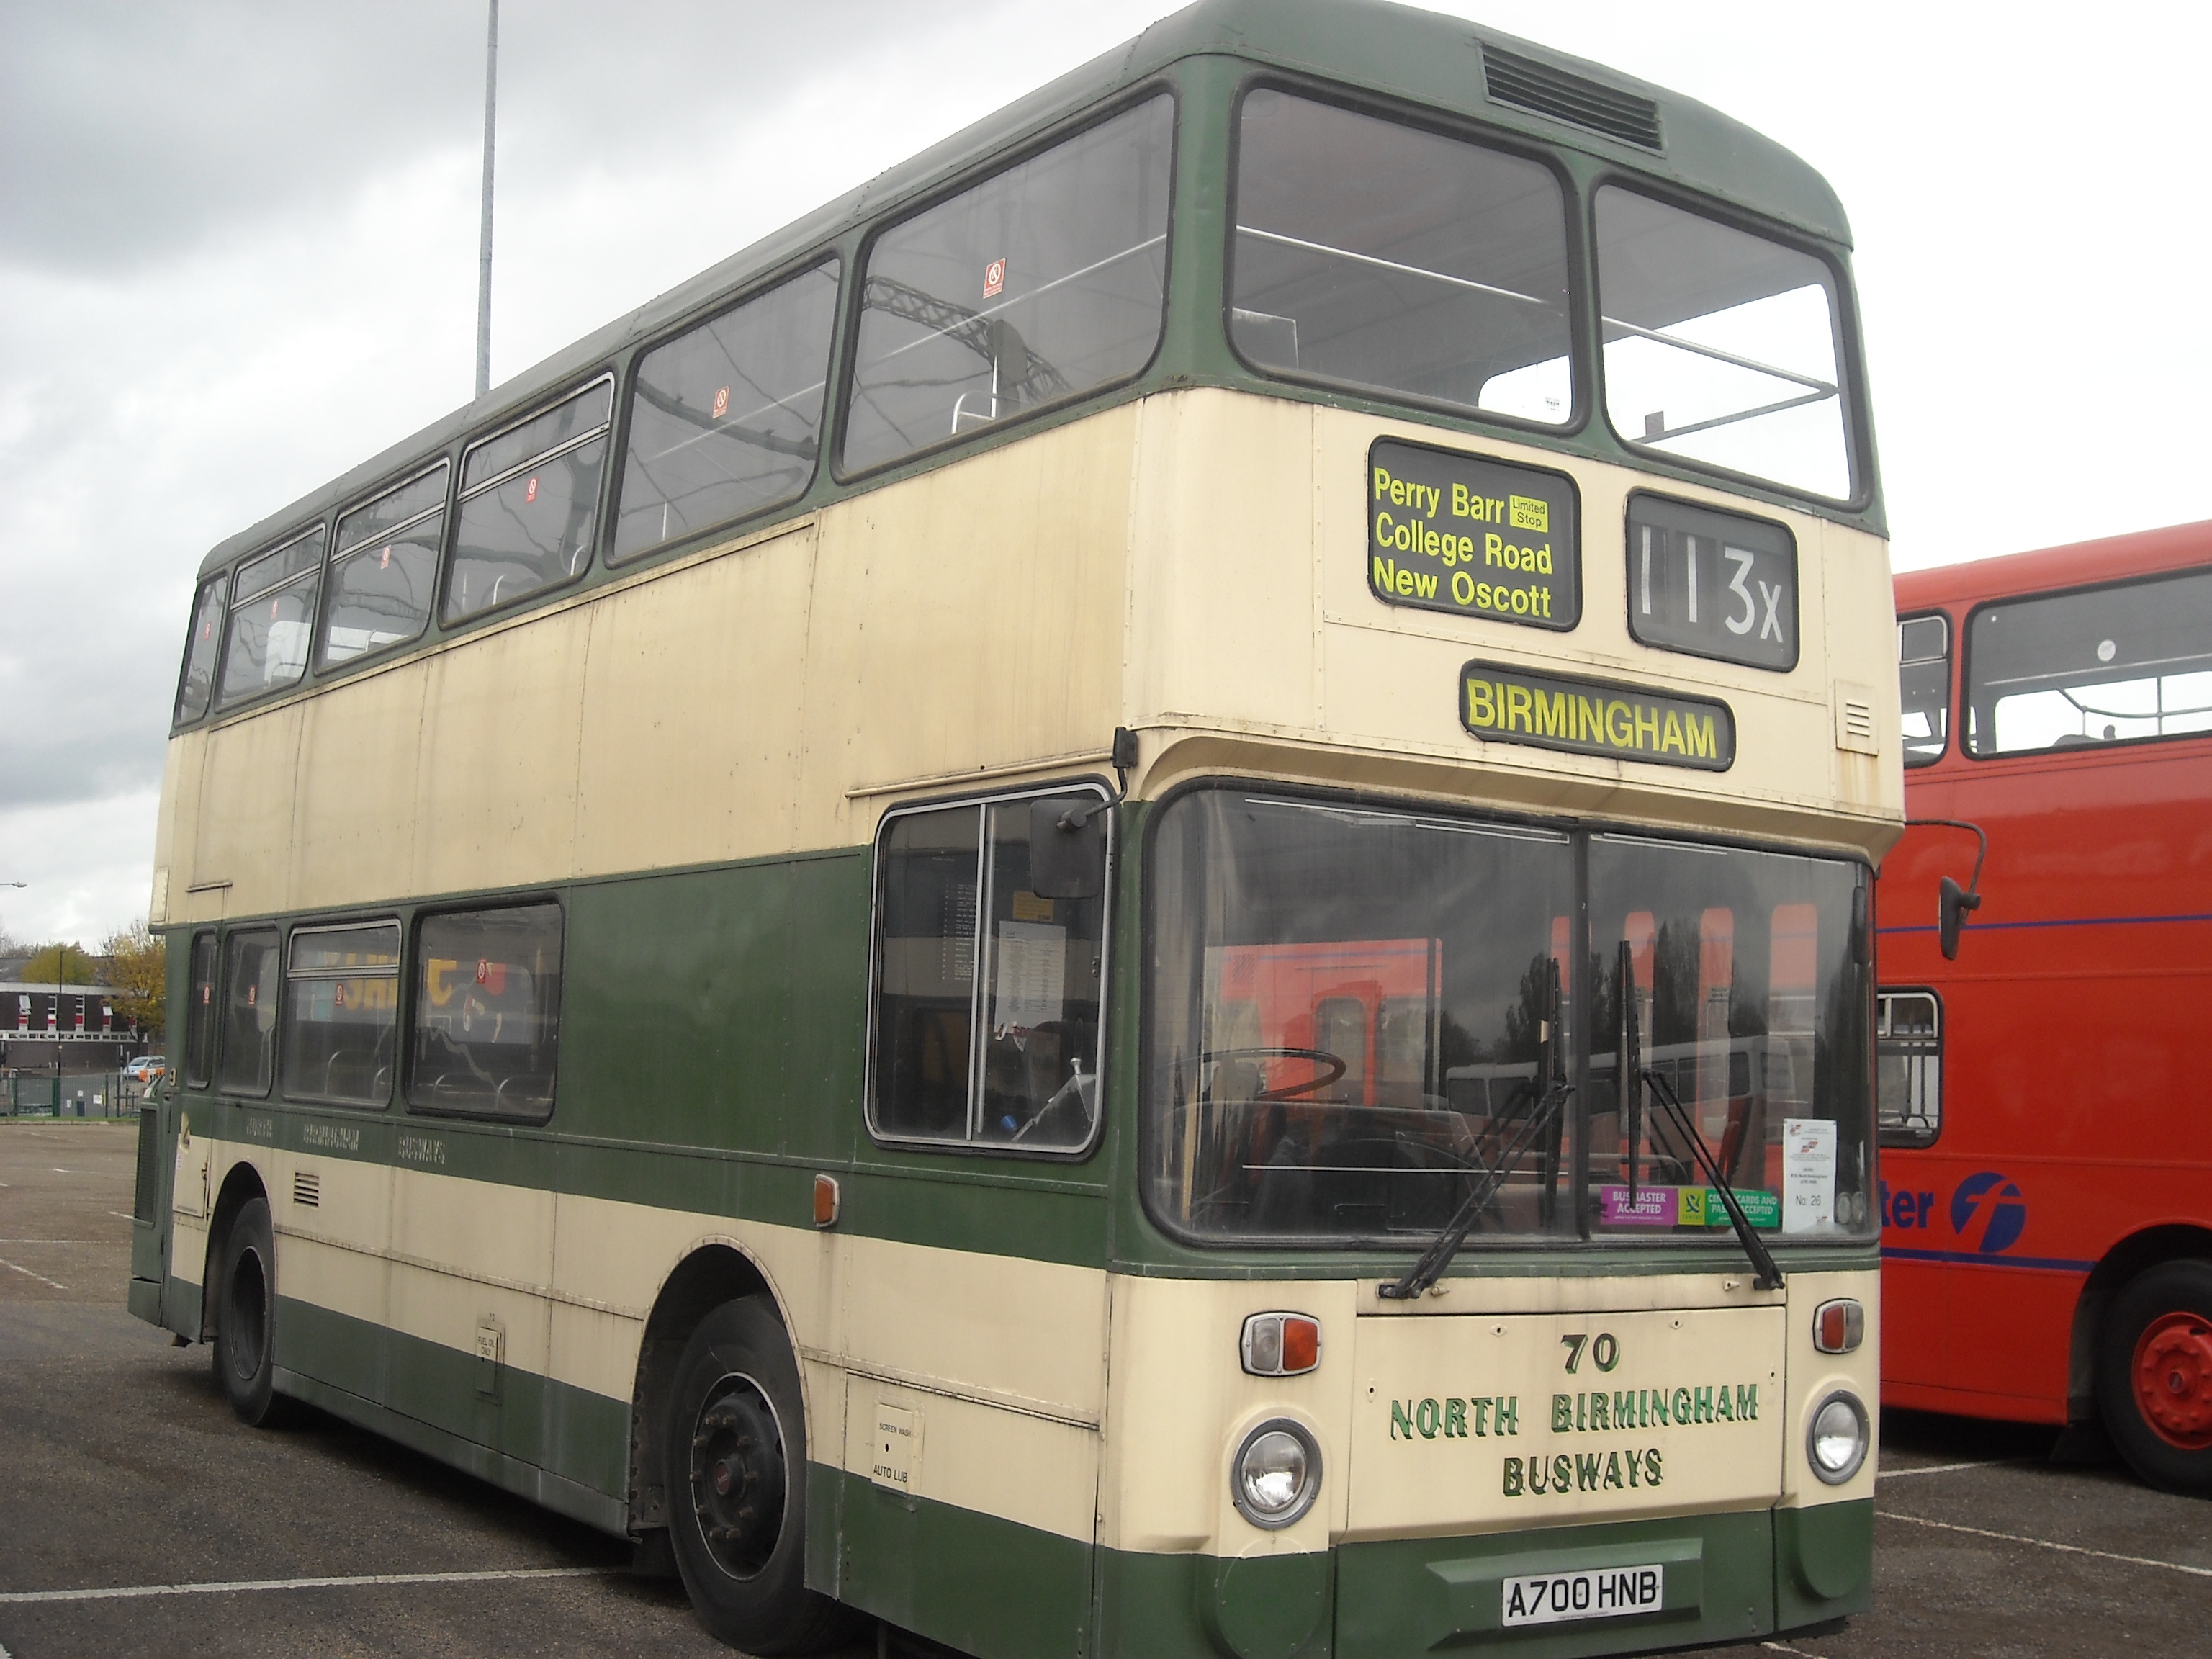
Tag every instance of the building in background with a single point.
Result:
(77, 1025)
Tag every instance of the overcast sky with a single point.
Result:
(238, 256)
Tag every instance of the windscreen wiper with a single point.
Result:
(1551, 1072)
(1433, 1260)
(1770, 1276)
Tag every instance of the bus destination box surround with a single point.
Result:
(1472, 537)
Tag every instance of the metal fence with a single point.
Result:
(42, 1093)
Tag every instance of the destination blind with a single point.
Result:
(1472, 537)
(1595, 717)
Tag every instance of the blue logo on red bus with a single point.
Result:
(1988, 1211)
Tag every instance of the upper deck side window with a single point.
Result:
(196, 680)
(1923, 686)
(272, 612)
(726, 420)
(1720, 347)
(1047, 280)
(2107, 664)
(530, 499)
(384, 563)
(1373, 254)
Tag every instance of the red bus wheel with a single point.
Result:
(2154, 1376)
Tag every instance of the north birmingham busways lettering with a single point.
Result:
(1591, 1412)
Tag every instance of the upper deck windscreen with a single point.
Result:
(1374, 254)
(1720, 346)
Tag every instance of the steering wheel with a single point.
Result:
(1320, 1056)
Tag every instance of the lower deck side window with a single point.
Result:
(1909, 1068)
(342, 1013)
(487, 1011)
(987, 1012)
(250, 962)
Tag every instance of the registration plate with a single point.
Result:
(1555, 1598)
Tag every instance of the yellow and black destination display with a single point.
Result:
(1472, 537)
(1595, 717)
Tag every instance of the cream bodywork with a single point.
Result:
(1096, 1406)
(1191, 566)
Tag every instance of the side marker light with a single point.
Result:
(1839, 1325)
(826, 1200)
(1281, 1344)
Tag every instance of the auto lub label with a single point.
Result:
(1472, 537)
(1603, 1428)
(1502, 704)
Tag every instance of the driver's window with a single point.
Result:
(987, 1027)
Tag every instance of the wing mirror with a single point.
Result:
(1068, 847)
(1952, 903)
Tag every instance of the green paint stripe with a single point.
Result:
(551, 1442)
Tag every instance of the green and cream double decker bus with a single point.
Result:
(1117, 903)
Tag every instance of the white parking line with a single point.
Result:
(14, 1597)
(2045, 1544)
(1946, 1468)
(28, 1273)
(49, 1241)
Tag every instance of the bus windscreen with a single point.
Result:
(1351, 1026)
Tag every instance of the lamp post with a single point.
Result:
(14, 884)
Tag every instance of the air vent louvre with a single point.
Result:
(307, 1189)
(1527, 84)
(1854, 725)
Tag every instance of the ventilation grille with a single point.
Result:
(1855, 728)
(307, 1189)
(1527, 84)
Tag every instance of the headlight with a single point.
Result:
(1837, 1442)
(1277, 1474)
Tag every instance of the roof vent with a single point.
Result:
(1527, 84)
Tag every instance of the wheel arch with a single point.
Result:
(712, 1274)
(2139, 1251)
(241, 1184)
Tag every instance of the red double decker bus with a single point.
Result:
(2046, 1096)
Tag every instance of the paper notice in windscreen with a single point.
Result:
(1032, 975)
(1808, 1174)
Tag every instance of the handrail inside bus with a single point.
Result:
(1820, 388)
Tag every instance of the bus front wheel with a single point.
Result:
(2154, 1376)
(736, 1486)
(246, 1318)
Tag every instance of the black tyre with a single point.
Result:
(736, 1476)
(2154, 1376)
(245, 1319)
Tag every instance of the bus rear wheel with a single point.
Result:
(736, 1486)
(245, 1319)
(2154, 1376)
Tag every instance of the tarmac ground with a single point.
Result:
(137, 1514)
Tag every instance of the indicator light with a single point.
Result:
(1839, 1325)
(827, 1200)
(1281, 1344)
